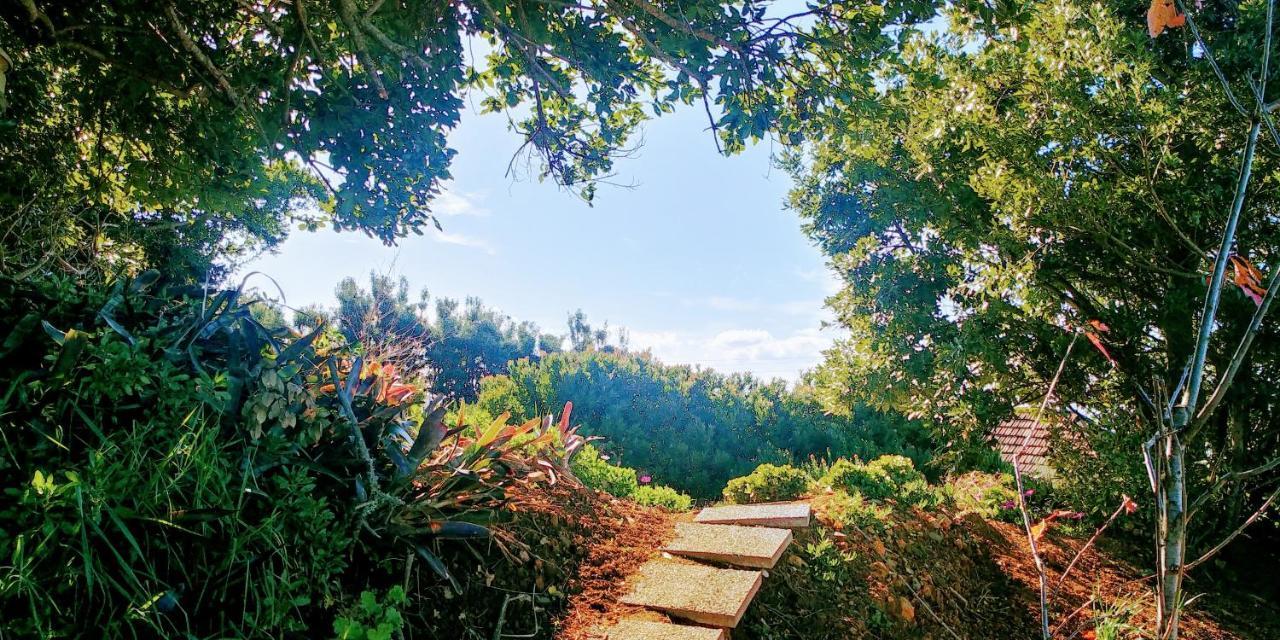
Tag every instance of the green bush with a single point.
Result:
(190, 472)
(900, 469)
(989, 495)
(870, 482)
(660, 496)
(596, 472)
(768, 483)
(853, 510)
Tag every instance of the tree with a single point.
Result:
(1039, 171)
(174, 134)
(693, 428)
(459, 346)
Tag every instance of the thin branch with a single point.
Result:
(175, 23)
(1124, 504)
(1213, 62)
(1022, 497)
(1210, 311)
(1242, 351)
(1232, 476)
(347, 13)
(1232, 536)
(680, 25)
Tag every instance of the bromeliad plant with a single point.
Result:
(171, 455)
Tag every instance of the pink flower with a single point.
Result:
(1008, 504)
(1028, 493)
(645, 479)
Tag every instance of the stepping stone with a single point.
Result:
(631, 629)
(706, 595)
(790, 515)
(756, 547)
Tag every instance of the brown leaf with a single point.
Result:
(1163, 14)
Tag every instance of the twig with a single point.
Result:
(1232, 536)
(1022, 498)
(1087, 545)
(347, 12)
(175, 22)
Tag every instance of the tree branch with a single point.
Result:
(347, 13)
(175, 23)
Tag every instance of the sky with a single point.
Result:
(697, 256)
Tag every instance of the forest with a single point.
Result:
(1055, 214)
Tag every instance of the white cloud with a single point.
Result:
(824, 276)
(807, 307)
(461, 240)
(742, 349)
(451, 203)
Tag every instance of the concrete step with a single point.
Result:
(632, 629)
(706, 595)
(755, 547)
(789, 515)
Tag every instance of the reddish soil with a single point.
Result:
(615, 537)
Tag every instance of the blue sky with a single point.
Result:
(699, 260)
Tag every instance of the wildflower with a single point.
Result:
(1007, 504)
(645, 479)
(605, 457)
(1028, 493)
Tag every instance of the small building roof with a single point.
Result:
(1010, 435)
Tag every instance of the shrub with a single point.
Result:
(596, 472)
(661, 496)
(871, 482)
(853, 510)
(989, 495)
(900, 469)
(193, 473)
(768, 483)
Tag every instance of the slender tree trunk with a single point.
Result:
(1171, 543)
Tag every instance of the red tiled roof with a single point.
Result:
(1010, 435)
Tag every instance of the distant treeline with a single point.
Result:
(691, 428)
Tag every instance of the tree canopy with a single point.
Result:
(1033, 174)
(171, 134)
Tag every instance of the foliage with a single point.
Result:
(847, 510)
(595, 472)
(900, 469)
(233, 119)
(592, 468)
(661, 496)
(169, 460)
(1031, 171)
(373, 618)
(694, 429)
(986, 494)
(768, 483)
(865, 480)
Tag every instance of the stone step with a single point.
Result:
(790, 515)
(755, 547)
(706, 595)
(632, 629)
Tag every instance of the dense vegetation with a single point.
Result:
(172, 467)
(994, 183)
(692, 428)
(1034, 173)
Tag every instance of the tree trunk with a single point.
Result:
(1171, 542)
